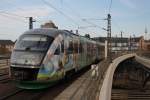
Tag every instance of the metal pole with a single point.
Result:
(109, 36)
(134, 43)
(130, 44)
(121, 42)
(31, 22)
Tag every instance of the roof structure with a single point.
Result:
(6, 42)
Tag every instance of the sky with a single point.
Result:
(129, 16)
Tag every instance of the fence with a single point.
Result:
(4, 66)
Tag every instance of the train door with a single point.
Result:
(88, 54)
(68, 53)
(82, 52)
(75, 52)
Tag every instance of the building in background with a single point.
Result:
(6, 46)
(146, 45)
(123, 44)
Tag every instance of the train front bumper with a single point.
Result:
(41, 81)
(34, 84)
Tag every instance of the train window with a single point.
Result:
(80, 48)
(33, 42)
(57, 51)
(62, 46)
(70, 49)
(75, 47)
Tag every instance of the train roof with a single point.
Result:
(54, 32)
(45, 31)
(49, 32)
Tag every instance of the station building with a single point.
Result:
(124, 44)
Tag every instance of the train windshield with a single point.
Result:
(30, 49)
(33, 42)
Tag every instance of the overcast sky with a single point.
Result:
(129, 16)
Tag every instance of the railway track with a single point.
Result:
(85, 87)
(4, 74)
(4, 78)
(10, 94)
(77, 88)
(81, 85)
(24, 95)
(120, 94)
(139, 95)
(71, 90)
(45, 94)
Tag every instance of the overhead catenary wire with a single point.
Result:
(84, 27)
(11, 17)
(72, 10)
(110, 6)
(114, 22)
(119, 28)
(59, 11)
(75, 13)
(93, 25)
(17, 15)
(12, 4)
(12, 14)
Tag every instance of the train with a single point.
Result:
(41, 57)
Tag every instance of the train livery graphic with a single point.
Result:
(43, 56)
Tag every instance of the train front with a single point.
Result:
(26, 60)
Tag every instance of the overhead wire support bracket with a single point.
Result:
(31, 20)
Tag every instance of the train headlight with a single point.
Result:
(29, 61)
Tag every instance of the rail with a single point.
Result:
(120, 94)
(11, 94)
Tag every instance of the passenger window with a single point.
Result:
(80, 48)
(57, 51)
(70, 49)
(62, 46)
(75, 47)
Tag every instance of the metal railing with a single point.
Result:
(94, 87)
(4, 69)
